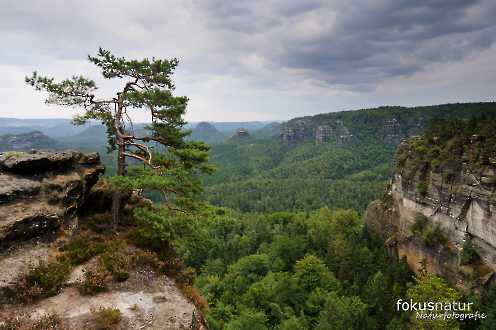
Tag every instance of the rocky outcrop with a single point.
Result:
(434, 211)
(242, 133)
(43, 197)
(392, 131)
(41, 191)
(298, 131)
(323, 134)
(146, 300)
(295, 132)
(343, 135)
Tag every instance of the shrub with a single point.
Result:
(431, 235)
(146, 259)
(435, 163)
(193, 295)
(82, 249)
(420, 224)
(23, 322)
(46, 279)
(94, 282)
(434, 236)
(117, 264)
(469, 253)
(422, 188)
(48, 321)
(106, 318)
(173, 266)
(12, 323)
(186, 276)
(98, 221)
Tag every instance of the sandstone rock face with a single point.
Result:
(295, 132)
(298, 131)
(323, 134)
(242, 133)
(40, 191)
(453, 197)
(392, 131)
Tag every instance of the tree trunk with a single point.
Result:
(121, 163)
(116, 197)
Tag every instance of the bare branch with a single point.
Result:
(144, 160)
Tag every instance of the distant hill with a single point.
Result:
(269, 130)
(207, 133)
(93, 138)
(54, 128)
(26, 142)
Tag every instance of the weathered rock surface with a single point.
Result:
(301, 130)
(41, 196)
(453, 197)
(295, 132)
(323, 134)
(40, 191)
(146, 301)
(16, 262)
(392, 131)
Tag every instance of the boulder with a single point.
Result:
(40, 191)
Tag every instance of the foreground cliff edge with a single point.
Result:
(438, 210)
(61, 267)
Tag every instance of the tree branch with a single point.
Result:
(144, 160)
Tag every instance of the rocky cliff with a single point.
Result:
(42, 191)
(439, 209)
(61, 267)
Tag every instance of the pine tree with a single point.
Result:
(170, 162)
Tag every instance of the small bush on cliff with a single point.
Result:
(422, 188)
(24, 322)
(421, 222)
(106, 318)
(46, 279)
(469, 253)
(94, 282)
(48, 321)
(434, 236)
(82, 249)
(118, 264)
(431, 235)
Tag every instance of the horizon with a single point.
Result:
(261, 121)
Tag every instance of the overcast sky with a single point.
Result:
(260, 60)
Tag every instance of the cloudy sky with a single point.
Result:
(260, 59)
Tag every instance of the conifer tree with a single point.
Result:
(170, 162)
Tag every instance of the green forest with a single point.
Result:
(317, 270)
(265, 175)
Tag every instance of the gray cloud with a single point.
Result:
(361, 42)
(260, 58)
